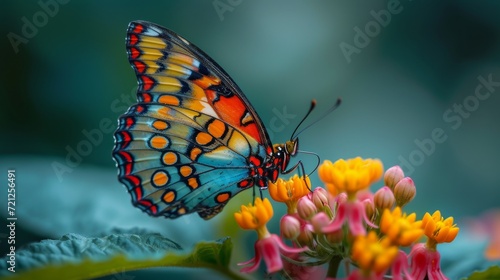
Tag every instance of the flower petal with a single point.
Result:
(255, 260)
(338, 221)
(247, 262)
(287, 249)
(452, 234)
(400, 267)
(355, 220)
(418, 261)
(269, 249)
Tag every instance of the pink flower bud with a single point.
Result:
(339, 199)
(290, 227)
(404, 191)
(384, 198)
(320, 197)
(319, 221)
(392, 176)
(369, 208)
(306, 208)
(364, 194)
(306, 237)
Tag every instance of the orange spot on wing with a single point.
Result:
(169, 196)
(169, 158)
(223, 197)
(169, 100)
(186, 170)
(159, 142)
(203, 138)
(160, 125)
(160, 179)
(195, 152)
(216, 128)
(181, 211)
(193, 182)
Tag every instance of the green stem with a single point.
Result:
(333, 266)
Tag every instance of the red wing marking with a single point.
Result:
(146, 97)
(128, 124)
(139, 66)
(133, 39)
(134, 52)
(147, 82)
(255, 160)
(232, 109)
(138, 28)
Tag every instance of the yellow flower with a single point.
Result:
(401, 229)
(290, 191)
(350, 176)
(372, 254)
(255, 216)
(438, 229)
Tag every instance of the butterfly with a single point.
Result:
(193, 140)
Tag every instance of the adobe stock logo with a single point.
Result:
(362, 38)
(75, 154)
(31, 26)
(454, 117)
(223, 6)
(279, 121)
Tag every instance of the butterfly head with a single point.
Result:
(283, 152)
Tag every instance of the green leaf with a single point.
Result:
(94, 201)
(493, 272)
(78, 257)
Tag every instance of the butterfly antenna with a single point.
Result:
(313, 104)
(335, 106)
(318, 160)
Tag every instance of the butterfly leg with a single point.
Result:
(260, 191)
(301, 169)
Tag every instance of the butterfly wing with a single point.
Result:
(185, 146)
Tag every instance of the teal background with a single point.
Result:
(71, 78)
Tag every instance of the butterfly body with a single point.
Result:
(192, 141)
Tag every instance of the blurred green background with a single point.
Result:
(407, 71)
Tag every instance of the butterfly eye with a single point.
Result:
(292, 146)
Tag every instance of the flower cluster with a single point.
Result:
(346, 222)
